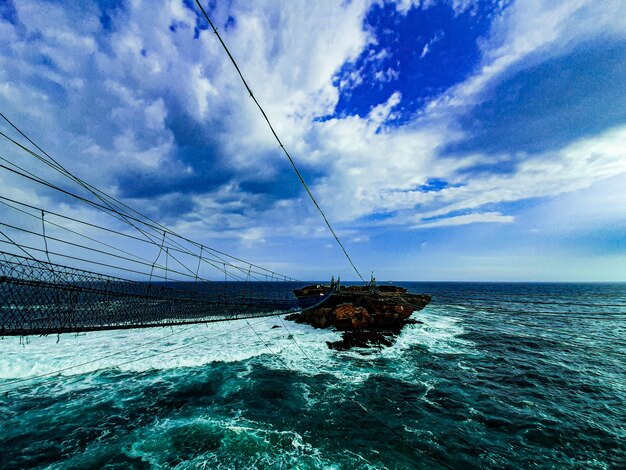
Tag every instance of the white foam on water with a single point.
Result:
(439, 332)
(244, 443)
(131, 350)
(298, 347)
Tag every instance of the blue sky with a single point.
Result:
(446, 139)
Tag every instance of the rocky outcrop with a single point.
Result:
(359, 307)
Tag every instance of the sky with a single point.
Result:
(445, 139)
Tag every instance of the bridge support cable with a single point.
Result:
(16, 169)
(287, 154)
(92, 250)
(38, 295)
(136, 258)
(113, 206)
(214, 258)
(51, 162)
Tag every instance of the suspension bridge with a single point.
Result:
(73, 258)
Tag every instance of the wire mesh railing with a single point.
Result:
(46, 298)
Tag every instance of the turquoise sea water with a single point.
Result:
(495, 376)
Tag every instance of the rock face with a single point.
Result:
(358, 307)
(349, 317)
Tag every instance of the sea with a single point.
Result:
(493, 375)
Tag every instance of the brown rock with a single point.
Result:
(349, 317)
(361, 318)
(344, 312)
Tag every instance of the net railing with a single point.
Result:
(46, 298)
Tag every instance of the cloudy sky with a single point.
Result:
(445, 139)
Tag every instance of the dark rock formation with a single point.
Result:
(364, 339)
(371, 315)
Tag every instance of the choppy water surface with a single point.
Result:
(496, 376)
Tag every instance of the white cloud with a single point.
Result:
(459, 6)
(478, 217)
(126, 75)
(386, 75)
(534, 30)
(576, 166)
(204, 91)
(380, 113)
(600, 207)
(436, 38)
(155, 115)
(378, 171)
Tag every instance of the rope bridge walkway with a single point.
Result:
(46, 298)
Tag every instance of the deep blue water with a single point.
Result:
(495, 376)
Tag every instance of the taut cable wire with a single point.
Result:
(293, 164)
